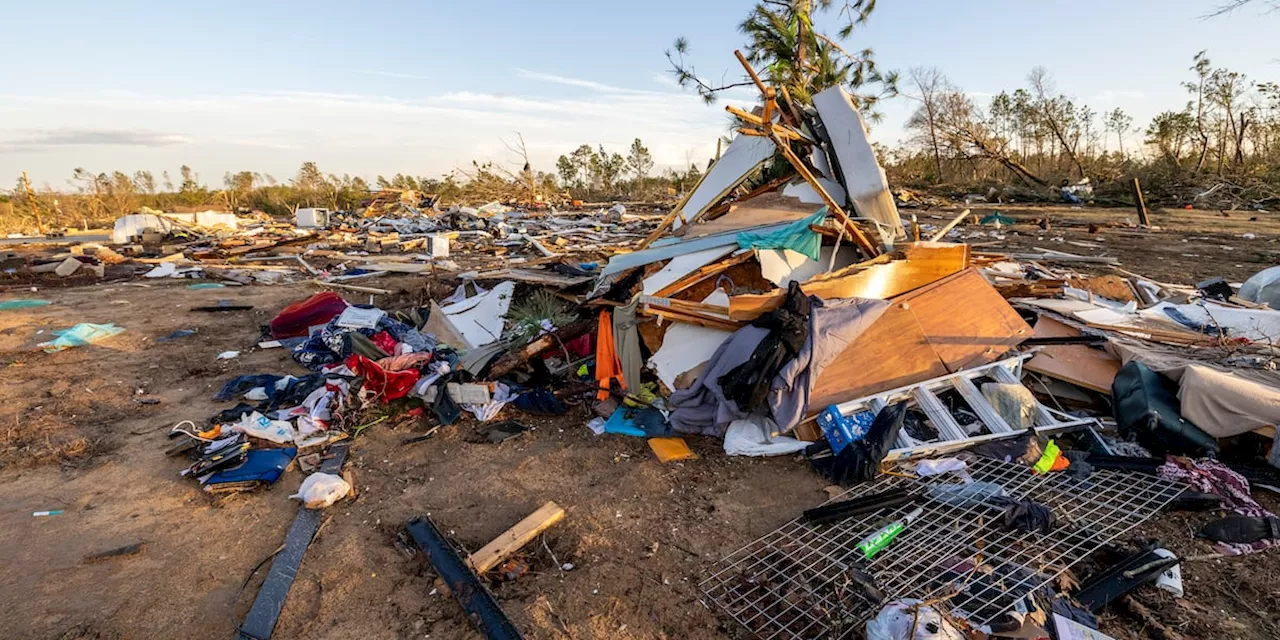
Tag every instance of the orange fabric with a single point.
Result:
(608, 367)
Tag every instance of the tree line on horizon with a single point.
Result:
(588, 174)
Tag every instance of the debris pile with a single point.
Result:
(1000, 420)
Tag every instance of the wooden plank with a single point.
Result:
(510, 541)
(922, 263)
(1140, 204)
(710, 322)
(398, 267)
(501, 548)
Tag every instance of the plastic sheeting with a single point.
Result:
(80, 335)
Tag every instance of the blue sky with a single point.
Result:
(423, 87)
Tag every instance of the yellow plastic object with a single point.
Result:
(671, 449)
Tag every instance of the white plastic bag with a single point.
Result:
(320, 490)
(259, 426)
(749, 437)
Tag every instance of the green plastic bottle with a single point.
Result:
(876, 542)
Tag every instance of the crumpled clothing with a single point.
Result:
(703, 407)
(1025, 515)
(540, 402)
(1211, 476)
(406, 361)
(333, 344)
(748, 383)
(240, 384)
(384, 341)
(860, 461)
(626, 340)
(832, 326)
(608, 367)
(387, 385)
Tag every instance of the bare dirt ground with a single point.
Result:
(76, 435)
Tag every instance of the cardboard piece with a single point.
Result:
(671, 449)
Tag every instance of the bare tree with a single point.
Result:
(930, 87)
(1055, 112)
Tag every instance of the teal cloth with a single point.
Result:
(80, 335)
(796, 236)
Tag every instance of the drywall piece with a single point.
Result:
(686, 346)
(783, 266)
(480, 319)
(681, 266)
(804, 192)
(743, 158)
(864, 180)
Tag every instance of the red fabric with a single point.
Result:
(608, 367)
(579, 347)
(385, 342)
(406, 361)
(295, 319)
(390, 385)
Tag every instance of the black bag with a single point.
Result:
(1146, 409)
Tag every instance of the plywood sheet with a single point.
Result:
(953, 324)
(1077, 364)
